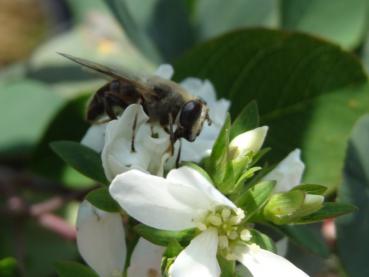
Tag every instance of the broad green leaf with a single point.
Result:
(282, 208)
(306, 237)
(344, 21)
(81, 158)
(211, 22)
(329, 210)
(309, 92)
(8, 267)
(255, 197)
(26, 108)
(247, 120)
(162, 237)
(353, 229)
(68, 124)
(263, 240)
(101, 199)
(311, 189)
(73, 269)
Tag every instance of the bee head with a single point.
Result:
(191, 119)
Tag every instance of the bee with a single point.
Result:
(164, 101)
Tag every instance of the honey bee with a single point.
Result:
(164, 101)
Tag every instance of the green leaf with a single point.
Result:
(263, 240)
(306, 237)
(217, 164)
(162, 237)
(68, 124)
(344, 22)
(82, 158)
(254, 198)
(329, 210)
(270, 66)
(102, 199)
(353, 229)
(26, 108)
(8, 267)
(72, 269)
(311, 189)
(247, 120)
(282, 208)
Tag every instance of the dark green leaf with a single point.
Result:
(311, 189)
(307, 238)
(102, 199)
(353, 229)
(255, 197)
(68, 124)
(162, 237)
(247, 120)
(27, 107)
(329, 210)
(271, 67)
(344, 22)
(82, 158)
(73, 269)
(263, 241)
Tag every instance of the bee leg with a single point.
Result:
(179, 154)
(171, 135)
(134, 126)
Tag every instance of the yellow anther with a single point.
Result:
(223, 242)
(233, 235)
(215, 220)
(201, 226)
(245, 235)
(226, 213)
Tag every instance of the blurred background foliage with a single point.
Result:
(304, 62)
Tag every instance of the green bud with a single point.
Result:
(312, 203)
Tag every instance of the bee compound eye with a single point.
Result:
(190, 113)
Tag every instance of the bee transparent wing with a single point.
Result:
(135, 80)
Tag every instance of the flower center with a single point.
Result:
(228, 223)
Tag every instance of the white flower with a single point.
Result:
(95, 137)
(101, 243)
(186, 199)
(129, 143)
(248, 141)
(288, 173)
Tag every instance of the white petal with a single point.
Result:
(117, 155)
(95, 137)
(249, 141)
(263, 263)
(199, 258)
(288, 172)
(188, 176)
(101, 239)
(153, 200)
(192, 85)
(145, 259)
(165, 71)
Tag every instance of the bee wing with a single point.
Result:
(138, 82)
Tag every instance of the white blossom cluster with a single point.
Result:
(181, 200)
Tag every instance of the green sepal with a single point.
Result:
(227, 267)
(282, 207)
(254, 198)
(163, 237)
(102, 199)
(172, 251)
(217, 164)
(72, 269)
(263, 240)
(246, 120)
(82, 158)
(328, 210)
(311, 189)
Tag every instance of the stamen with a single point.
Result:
(223, 242)
(201, 226)
(215, 220)
(245, 235)
(226, 213)
(233, 235)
